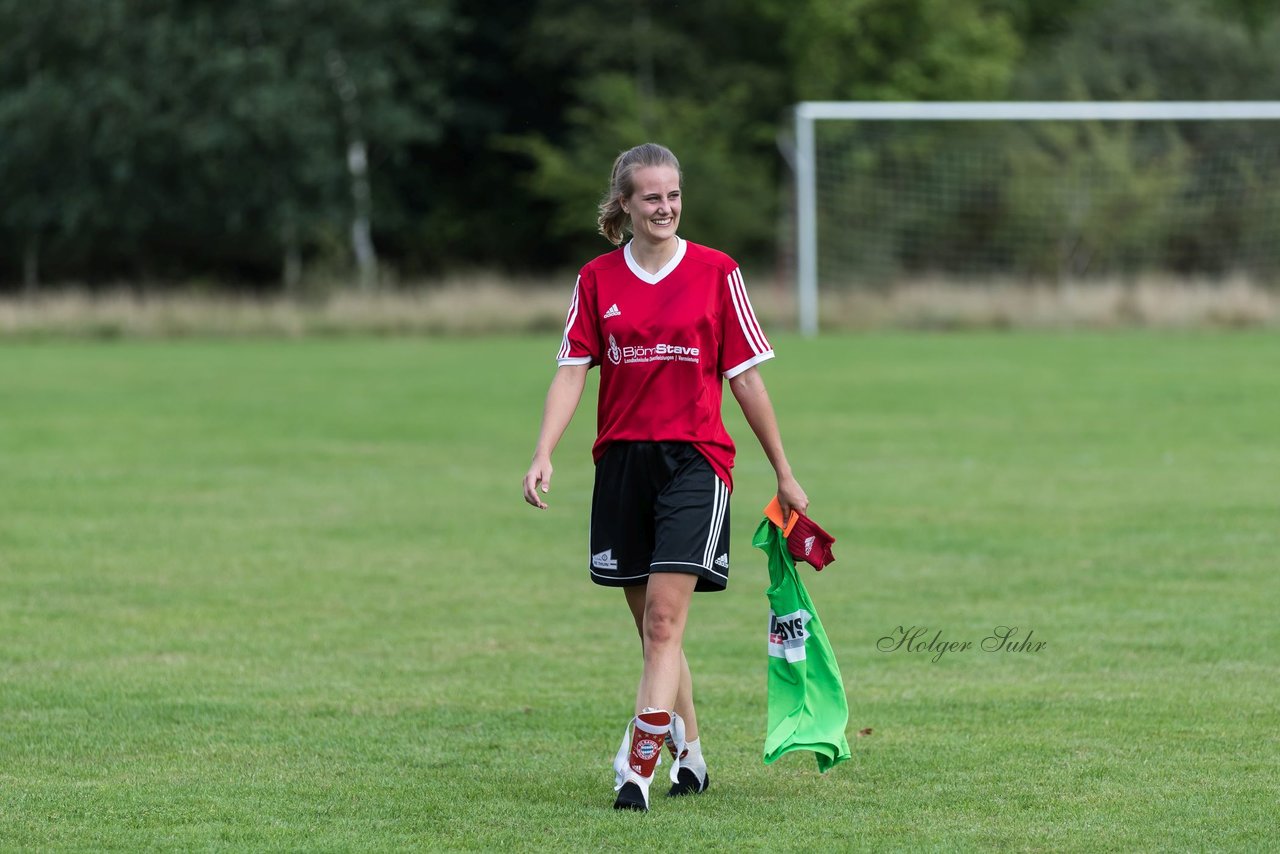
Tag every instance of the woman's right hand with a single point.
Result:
(539, 476)
(791, 497)
(562, 400)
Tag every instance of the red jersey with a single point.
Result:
(663, 342)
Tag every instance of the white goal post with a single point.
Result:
(808, 113)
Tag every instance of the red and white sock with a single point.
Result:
(648, 732)
(639, 755)
(675, 741)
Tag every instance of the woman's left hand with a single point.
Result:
(791, 496)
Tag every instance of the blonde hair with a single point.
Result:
(614, 221)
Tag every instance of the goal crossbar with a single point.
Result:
(977, 111)
(809, 112)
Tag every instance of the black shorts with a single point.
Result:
(658, 507)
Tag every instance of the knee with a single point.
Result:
(661, 628)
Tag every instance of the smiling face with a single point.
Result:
(654, 204)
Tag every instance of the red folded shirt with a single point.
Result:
(806, 541)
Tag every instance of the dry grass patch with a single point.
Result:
(1152, 302)
(457, 306)
(483, 304)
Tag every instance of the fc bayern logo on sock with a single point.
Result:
(647, 749)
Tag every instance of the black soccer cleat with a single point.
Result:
(687, 783)
(631, 797)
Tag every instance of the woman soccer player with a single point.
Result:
(666, 320)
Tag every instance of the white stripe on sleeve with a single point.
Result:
(568, 324)
(749, 363)
(746, 314)
(755, 322)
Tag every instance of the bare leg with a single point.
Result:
(635, 601)
(666, 601)
(684, 701)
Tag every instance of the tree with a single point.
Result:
(161, 135)
(891, 50)
(51, 123)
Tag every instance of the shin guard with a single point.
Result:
(676, 745)
(641, 748)
(648, 731)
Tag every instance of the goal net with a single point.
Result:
(1035, 193)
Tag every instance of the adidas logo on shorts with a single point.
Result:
(723, 561)
(604, 560)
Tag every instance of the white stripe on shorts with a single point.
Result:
(718, 507)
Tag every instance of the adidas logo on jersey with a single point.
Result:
(612, 312)
(723, 561)
(604, 560)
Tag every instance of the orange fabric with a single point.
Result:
(774, 514)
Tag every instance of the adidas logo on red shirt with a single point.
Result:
(612, 312)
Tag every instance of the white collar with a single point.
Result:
(653, 278)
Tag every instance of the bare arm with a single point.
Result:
(562, 401)
(748, 388)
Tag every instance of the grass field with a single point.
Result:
(285, 595)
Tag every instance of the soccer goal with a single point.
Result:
(1033, 192)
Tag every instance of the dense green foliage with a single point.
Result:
(274, 596)
(169, 139)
